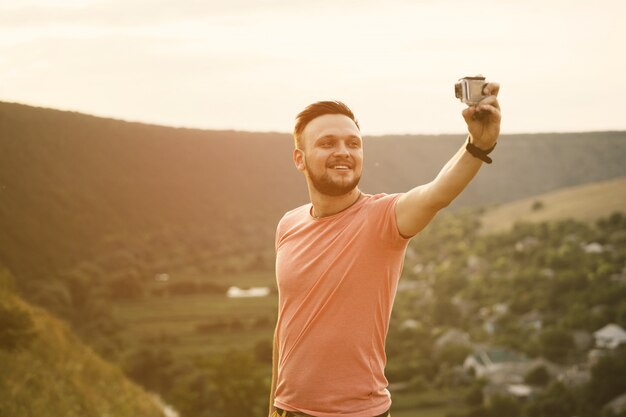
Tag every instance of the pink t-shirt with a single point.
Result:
(337, 278)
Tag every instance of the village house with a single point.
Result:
(236, 292)
(505, 371)
(505, 366)
(610, 336)
(593, 247)
(496, 363)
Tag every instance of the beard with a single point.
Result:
(325, 185)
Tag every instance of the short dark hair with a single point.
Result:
(318, 109)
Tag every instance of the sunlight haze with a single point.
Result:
(253, 65)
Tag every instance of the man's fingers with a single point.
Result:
(491, 89)
(491, 100)
(468, 113)
(487, 108)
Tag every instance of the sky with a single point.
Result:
(254, 64)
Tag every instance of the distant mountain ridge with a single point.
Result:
(69, 180)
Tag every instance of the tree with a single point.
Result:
(607, 378)
(240, 391)
(16, 327)
(556, 344)
(537, 376)
(556, 401)
(474, 396)
(445, 313)
(263, 351)
(501, 406)
(151, 368)
(126, 287)
(453, 354)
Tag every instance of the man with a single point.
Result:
(338, 261)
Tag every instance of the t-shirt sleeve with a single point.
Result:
(385, 215)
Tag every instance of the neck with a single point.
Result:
(325, 205)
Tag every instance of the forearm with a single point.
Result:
(454, 177)
(416, 208)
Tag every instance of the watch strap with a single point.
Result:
(481, 154)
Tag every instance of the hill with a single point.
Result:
(76, 188)
(47, 371)
(586, 203)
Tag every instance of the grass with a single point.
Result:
(428, 403)
(585, 203)
(173, 320)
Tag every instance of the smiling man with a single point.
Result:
(339, 258)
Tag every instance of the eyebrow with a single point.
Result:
(337, 137)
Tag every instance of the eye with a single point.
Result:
(355, 144)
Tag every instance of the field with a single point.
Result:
(177, 320)
(585, 203)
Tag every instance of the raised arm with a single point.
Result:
(417, 207)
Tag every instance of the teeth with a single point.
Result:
(341, 167)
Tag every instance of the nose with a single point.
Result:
(341, 149)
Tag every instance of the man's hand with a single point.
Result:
(417, 207)
(483, 120)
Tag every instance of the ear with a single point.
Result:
(298, 159)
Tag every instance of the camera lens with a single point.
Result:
(457, 90)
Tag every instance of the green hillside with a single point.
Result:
(46, 371)
(585, 203)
